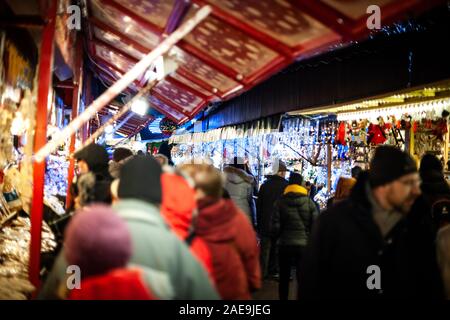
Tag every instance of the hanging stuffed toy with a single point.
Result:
(383, 125)
(395, 132)
(440, 128)
(363, 132)
(406, 122)
(354, 132)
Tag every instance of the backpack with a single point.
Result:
(440, 211)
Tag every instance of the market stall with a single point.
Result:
(326, 143)
(217, 51)
(302, 143)
(17, 125)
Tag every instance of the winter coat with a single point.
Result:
(119, 284)
(294, 216)
(435, 197)
(270, 191)
(178, 207)
(155, 248)
(346, 241)
(239, 185)
(232, 243)
(434, 186)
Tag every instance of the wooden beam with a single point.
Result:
(328, 16)
(144, 22)
(247, 28)
(170, 103)
(40, 139)
(103, 26)
(186, 87)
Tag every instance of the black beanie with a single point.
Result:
(388, 164)
(120, 154)
(95, 156)
(430, 163)
(140, 178)
(295, 178)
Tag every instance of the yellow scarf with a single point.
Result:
(295, 188)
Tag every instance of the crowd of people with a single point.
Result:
(141, 228)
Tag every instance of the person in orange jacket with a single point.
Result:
(179, 210)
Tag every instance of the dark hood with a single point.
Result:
(96, 158)
(434, 183)
(358, 194)
(235, 175)
(275, 178)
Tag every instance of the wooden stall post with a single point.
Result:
(40, 139)
(77, 81)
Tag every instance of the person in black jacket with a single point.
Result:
(268, 194)
(94, 181)
(435, 191)
(370, 245)
(293, 219)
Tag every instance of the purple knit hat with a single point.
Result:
(97, 240)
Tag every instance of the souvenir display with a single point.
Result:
(14, 256)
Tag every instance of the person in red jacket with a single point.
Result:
(178, 209)
(98, 242)
(228, 233)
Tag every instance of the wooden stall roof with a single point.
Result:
(242, 42)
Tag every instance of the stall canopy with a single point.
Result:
(238, 46)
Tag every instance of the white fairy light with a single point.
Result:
(140, 107)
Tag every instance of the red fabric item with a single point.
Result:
(440, 129)
(119, 284)
(340, 138)
(232, 243)
(376, 135)
(178, 204)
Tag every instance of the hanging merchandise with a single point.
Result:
(376, 134)
(56, 175)
(18, 72)
(167, 126)
(429, 135)
(342, 134)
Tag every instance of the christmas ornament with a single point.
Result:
(167, 126)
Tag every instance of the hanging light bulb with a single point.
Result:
(109, 129)
(140, 107)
